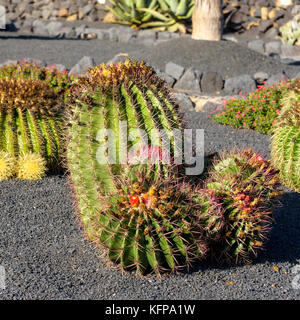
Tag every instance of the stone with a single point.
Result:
(82, 65)
(72, 18)
(40, 28)
(257, 45)
(87, 9)
(147, 41)
(170, 81)
(211, 82)
(54, 28)
(127, 35)
(273, 47)
(190, 80)
(272, 33)
(184, 102)
(68, 32)
(264, 13)
(274, 79)
(265, 25)
(102, 34)
(113, 34)
(81, 29)
(63, 13)
(290, 51)
(174, 70)
(164, 35)
(260, 77)
(297, 76)
(244, 83)
(149, 34)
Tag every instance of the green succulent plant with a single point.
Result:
(247, 185)
(128, 11)
(286, 139)
(157, 14)
(290, 32)
(171, 15)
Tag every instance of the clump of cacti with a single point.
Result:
(154, 225)
(246, 184)
(31, 119)
(286, 139)
(290, 32)
(60, 81)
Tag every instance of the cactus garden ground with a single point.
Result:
(42, 246)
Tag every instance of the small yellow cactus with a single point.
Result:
(31, 166)
(7, 165)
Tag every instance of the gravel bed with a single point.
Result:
(47, 256)
(225, 57)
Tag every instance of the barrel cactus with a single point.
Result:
(101, 102)
(286, 139)
(60, 81)
(153, 225)
(247, 185)
(31, 120)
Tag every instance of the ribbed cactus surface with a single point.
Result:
(246, 184)
(30, 119)
(127, 93)
(153, 225)
(286, 139)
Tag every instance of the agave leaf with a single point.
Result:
(182, 8)
(173, 4)
(154, 14)
(163, 5)
(141, 4)
(157, 24)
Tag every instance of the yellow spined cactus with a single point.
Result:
(7, 165)
(31, 166)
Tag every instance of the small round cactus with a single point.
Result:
(246, 185)
(30, 166)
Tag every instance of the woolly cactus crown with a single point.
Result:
(33, 95)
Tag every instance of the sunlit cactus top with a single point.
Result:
(33, 95)
(60, 81)
(110, 75)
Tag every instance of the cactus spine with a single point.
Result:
(286, 139)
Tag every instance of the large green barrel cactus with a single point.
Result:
(110, 95)
(246, 184)
(30, 119)
(286, 139)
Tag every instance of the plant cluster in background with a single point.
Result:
(290, 32)
(170, 15)
(257, 111)
(60, 81)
